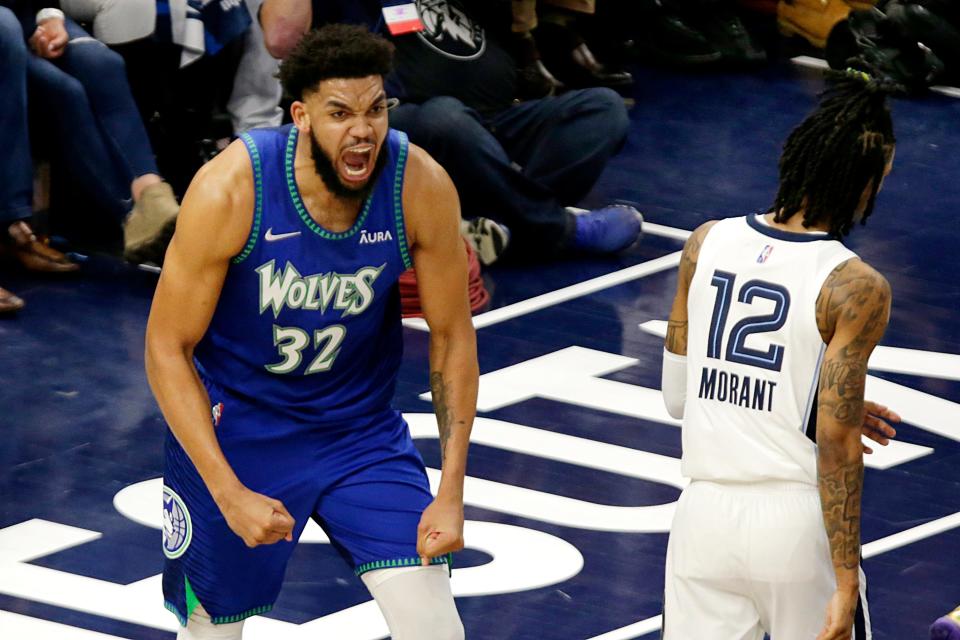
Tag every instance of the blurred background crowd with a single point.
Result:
(110, 106)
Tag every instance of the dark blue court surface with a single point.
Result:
(574, 455)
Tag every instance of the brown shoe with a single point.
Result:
(9, 303)
(149, 227)
(34, 254)
(811, 19)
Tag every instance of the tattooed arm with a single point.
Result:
(433, 221)
(676, 341)
(673, 379)
(852, 312)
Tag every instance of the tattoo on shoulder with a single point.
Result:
(691, 252)
(851, 289)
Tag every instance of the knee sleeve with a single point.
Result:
(416, 602)
(199, 627)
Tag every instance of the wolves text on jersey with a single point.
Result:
(349, 293)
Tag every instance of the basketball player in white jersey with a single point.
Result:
(766, 360)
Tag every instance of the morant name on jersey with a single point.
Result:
(350, 293)
(742, 391)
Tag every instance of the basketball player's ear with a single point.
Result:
(301, 119)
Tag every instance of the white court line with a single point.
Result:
(816, 63)
(15, 625)
(909, 536)
(586, 287)
(871, 549)
(634, 630)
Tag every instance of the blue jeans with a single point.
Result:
(82, 100)
(16, 167)
(521, 165)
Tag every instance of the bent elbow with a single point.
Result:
(279, 39)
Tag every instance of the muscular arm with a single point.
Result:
(284, 22)
(213, 224)
(433, 214)
(673, 378)
(852, 312)
(676, 341)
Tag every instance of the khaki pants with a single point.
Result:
(525, 11)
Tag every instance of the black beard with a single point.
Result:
(328, 173)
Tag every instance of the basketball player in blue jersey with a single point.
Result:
(766, 360)
(273, 347)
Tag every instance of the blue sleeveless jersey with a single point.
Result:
(308, 321)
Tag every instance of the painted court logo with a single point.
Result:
(177, 529)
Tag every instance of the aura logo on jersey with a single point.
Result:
(350, 293)
(374, 237)
(177, 529)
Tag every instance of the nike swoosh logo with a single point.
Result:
(270, 237)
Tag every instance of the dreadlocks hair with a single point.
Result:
(838, 152)
(334, 51)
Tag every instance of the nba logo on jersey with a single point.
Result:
(216, 412)
(767, 250)
(177, 529)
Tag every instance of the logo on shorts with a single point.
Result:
(765, 254)
(217, 413)
(177, 529)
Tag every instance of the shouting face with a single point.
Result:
(347, 122)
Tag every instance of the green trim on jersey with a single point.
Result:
(189, 596)
(398, 203)
(258, 189)
(241, 616)
(298, 203)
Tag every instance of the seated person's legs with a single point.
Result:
(114, 21)
(16, 167)
(486, 179)
(492, 183)
(68, 125)
(564, 142)
(103, 75)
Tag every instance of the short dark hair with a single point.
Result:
(836, 153)
(334, 51)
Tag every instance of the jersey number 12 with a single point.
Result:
(737, 349)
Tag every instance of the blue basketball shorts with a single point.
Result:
(363, 482)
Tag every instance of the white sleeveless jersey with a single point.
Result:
(754, 352)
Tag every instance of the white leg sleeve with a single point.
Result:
(416, 602)
(199, 627)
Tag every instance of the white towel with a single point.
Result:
(186, 26)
